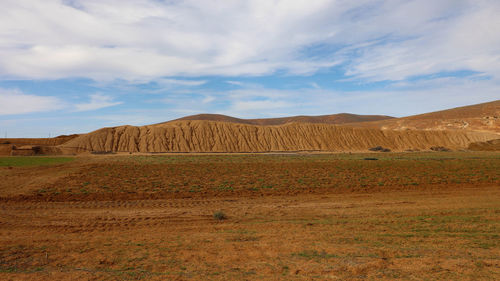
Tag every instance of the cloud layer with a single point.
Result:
(97, 101)
(16, 102)
(69, 65)
(137, 40)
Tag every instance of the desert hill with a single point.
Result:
(492, 145)
(472, 127)
(484, 117)
(7, 145)
(212, 136)
(340, 118)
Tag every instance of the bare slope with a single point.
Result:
(340, 118)
(483, 117)
(6, 145)
(491, 145)
(210, 136)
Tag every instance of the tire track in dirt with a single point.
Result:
(87, 221)
(102, 216)
(178, 203)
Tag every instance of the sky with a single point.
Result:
(74, 66)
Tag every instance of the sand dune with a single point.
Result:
(210, 136)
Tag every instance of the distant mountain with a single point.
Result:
(484, 117)
(340, 118)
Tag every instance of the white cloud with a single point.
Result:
(97, 101)
(400, 99)
(208, 99)
(466, 41)
(243, 108)
(315, 85)
(17, 102)
(141, 40)
(179, 82)
(236, 83)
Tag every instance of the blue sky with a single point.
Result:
(73, 66)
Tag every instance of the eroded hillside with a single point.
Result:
(483, 117)
(209, 136)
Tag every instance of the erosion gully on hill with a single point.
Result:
(209, 136)
(475, 127)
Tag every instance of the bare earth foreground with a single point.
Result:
(407, 216)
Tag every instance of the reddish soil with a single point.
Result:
(6, 145)
(289, 217)
(483, 117)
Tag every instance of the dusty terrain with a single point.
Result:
(210, 136)
(492, 145)
(219, 133)
(406, 216)
(275, 216)
(7, 144)
(483, 117)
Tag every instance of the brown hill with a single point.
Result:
(211, 136)
(10, 144)
(492, 145)
(483, 117)
(472, 127)
(340, 118)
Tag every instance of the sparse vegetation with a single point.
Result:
(314, 255)
(220, 216)
(23, 161)
(440, 148)
(103, 152)
(379, 149)
(332, 220)
(139, 176)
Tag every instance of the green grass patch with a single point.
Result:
(314, 255)
(26, 161)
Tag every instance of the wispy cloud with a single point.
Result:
(249, 58)
(97, 101)
(17, 102)
(179, 82)
(236, 83)
(141, 40)
(411, 98)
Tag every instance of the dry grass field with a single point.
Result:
(406, 216)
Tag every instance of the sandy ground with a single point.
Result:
(445, 232)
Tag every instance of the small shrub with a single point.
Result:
(440, 148)
(102, 152)
(380, 149)
(220, 216)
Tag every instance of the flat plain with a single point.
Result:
(407, 216)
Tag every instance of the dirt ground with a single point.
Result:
(413, 216)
